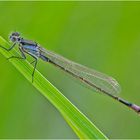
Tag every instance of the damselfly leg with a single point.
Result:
(9, 49)
(22, 54)
(23, 57)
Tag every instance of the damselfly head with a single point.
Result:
(15, 37)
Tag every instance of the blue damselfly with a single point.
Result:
(92, 78)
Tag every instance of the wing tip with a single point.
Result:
(116, 86)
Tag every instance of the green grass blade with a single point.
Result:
(82, 126)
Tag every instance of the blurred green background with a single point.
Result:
(101, 35)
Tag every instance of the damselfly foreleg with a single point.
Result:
(22, 54)
(9, 49)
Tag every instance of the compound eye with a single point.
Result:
(15, 34)
(13, 39)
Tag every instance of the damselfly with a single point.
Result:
(93, 79)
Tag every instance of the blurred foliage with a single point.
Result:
(101, 35)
